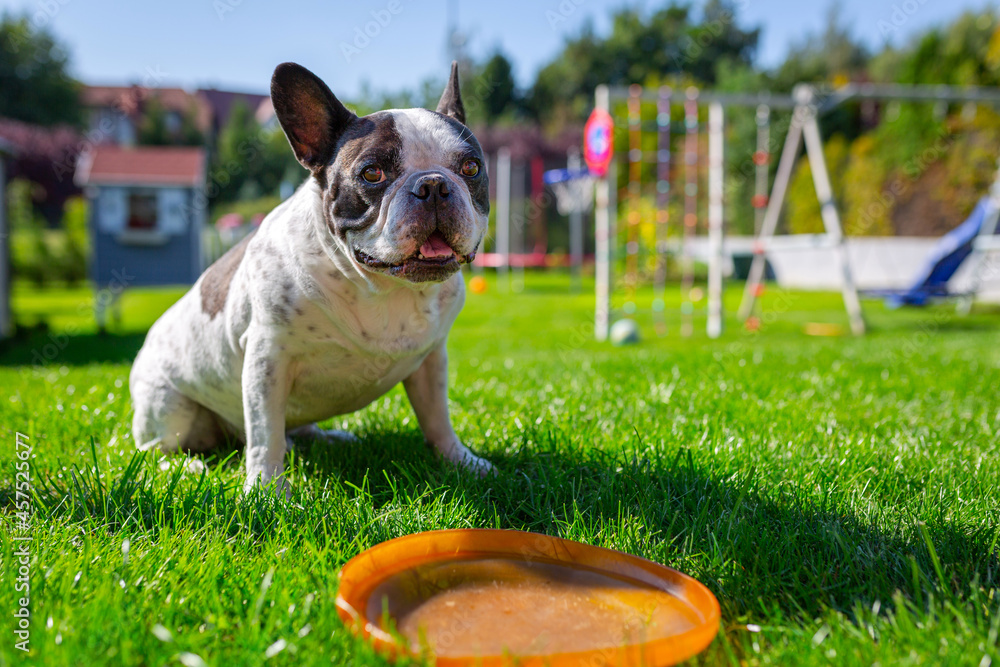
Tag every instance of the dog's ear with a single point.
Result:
(311, 116)
(451, 99)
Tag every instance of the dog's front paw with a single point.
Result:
(463, 457)
(191, 466)
(277, 482)
(479, 465)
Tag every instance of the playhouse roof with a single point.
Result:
(142, 165)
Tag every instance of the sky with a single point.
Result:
(235, 44)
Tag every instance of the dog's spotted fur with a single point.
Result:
(215, 282)
(331, 303)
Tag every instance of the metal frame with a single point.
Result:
(716, 187)
(605, 204)
(663, 159)
(834, 97)
(574, 161)
(804, 127)
(690, 194)
(808, 104)
(503, 217)
(603, 230)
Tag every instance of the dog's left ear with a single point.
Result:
(311, 116)
(451, 100)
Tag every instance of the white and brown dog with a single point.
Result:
(348, 288)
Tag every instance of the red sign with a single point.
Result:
(598, 142)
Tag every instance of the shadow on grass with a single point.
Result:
(759, 550)
(765, 552)
(41, 347)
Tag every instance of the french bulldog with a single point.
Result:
(347, 288)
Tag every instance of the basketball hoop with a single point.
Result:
(573, 188)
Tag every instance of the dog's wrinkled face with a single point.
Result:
(404, 191)
(408, 191)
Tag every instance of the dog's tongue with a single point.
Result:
(435, 246)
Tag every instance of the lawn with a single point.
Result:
(840, 496)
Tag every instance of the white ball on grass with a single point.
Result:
(624, 332)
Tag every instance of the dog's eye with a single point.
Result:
(373, 174)
(470, 168)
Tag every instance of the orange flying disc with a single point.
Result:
(505, 597)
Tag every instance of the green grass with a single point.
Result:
(839, 496)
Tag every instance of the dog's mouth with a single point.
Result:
(435, 258)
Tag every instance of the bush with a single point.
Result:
(250, 161)
(247, 208)
(44, 256)
(29, 256)
(75, 253)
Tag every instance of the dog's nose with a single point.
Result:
(428, 184)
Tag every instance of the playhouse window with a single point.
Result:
(141, 211)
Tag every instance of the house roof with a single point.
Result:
(222, 102)
(130, 100)
(143, 165)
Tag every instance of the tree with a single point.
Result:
(250, 162)
(488, 92)
(832, 57)
(30, 256)
(834, 54)
(370, 100)
(491, 92)
(190, 135)
(239, 142)
(964, 53)
(153, 128)
(277, 163)
(718, 41)
(640, 49)
(36, 88)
